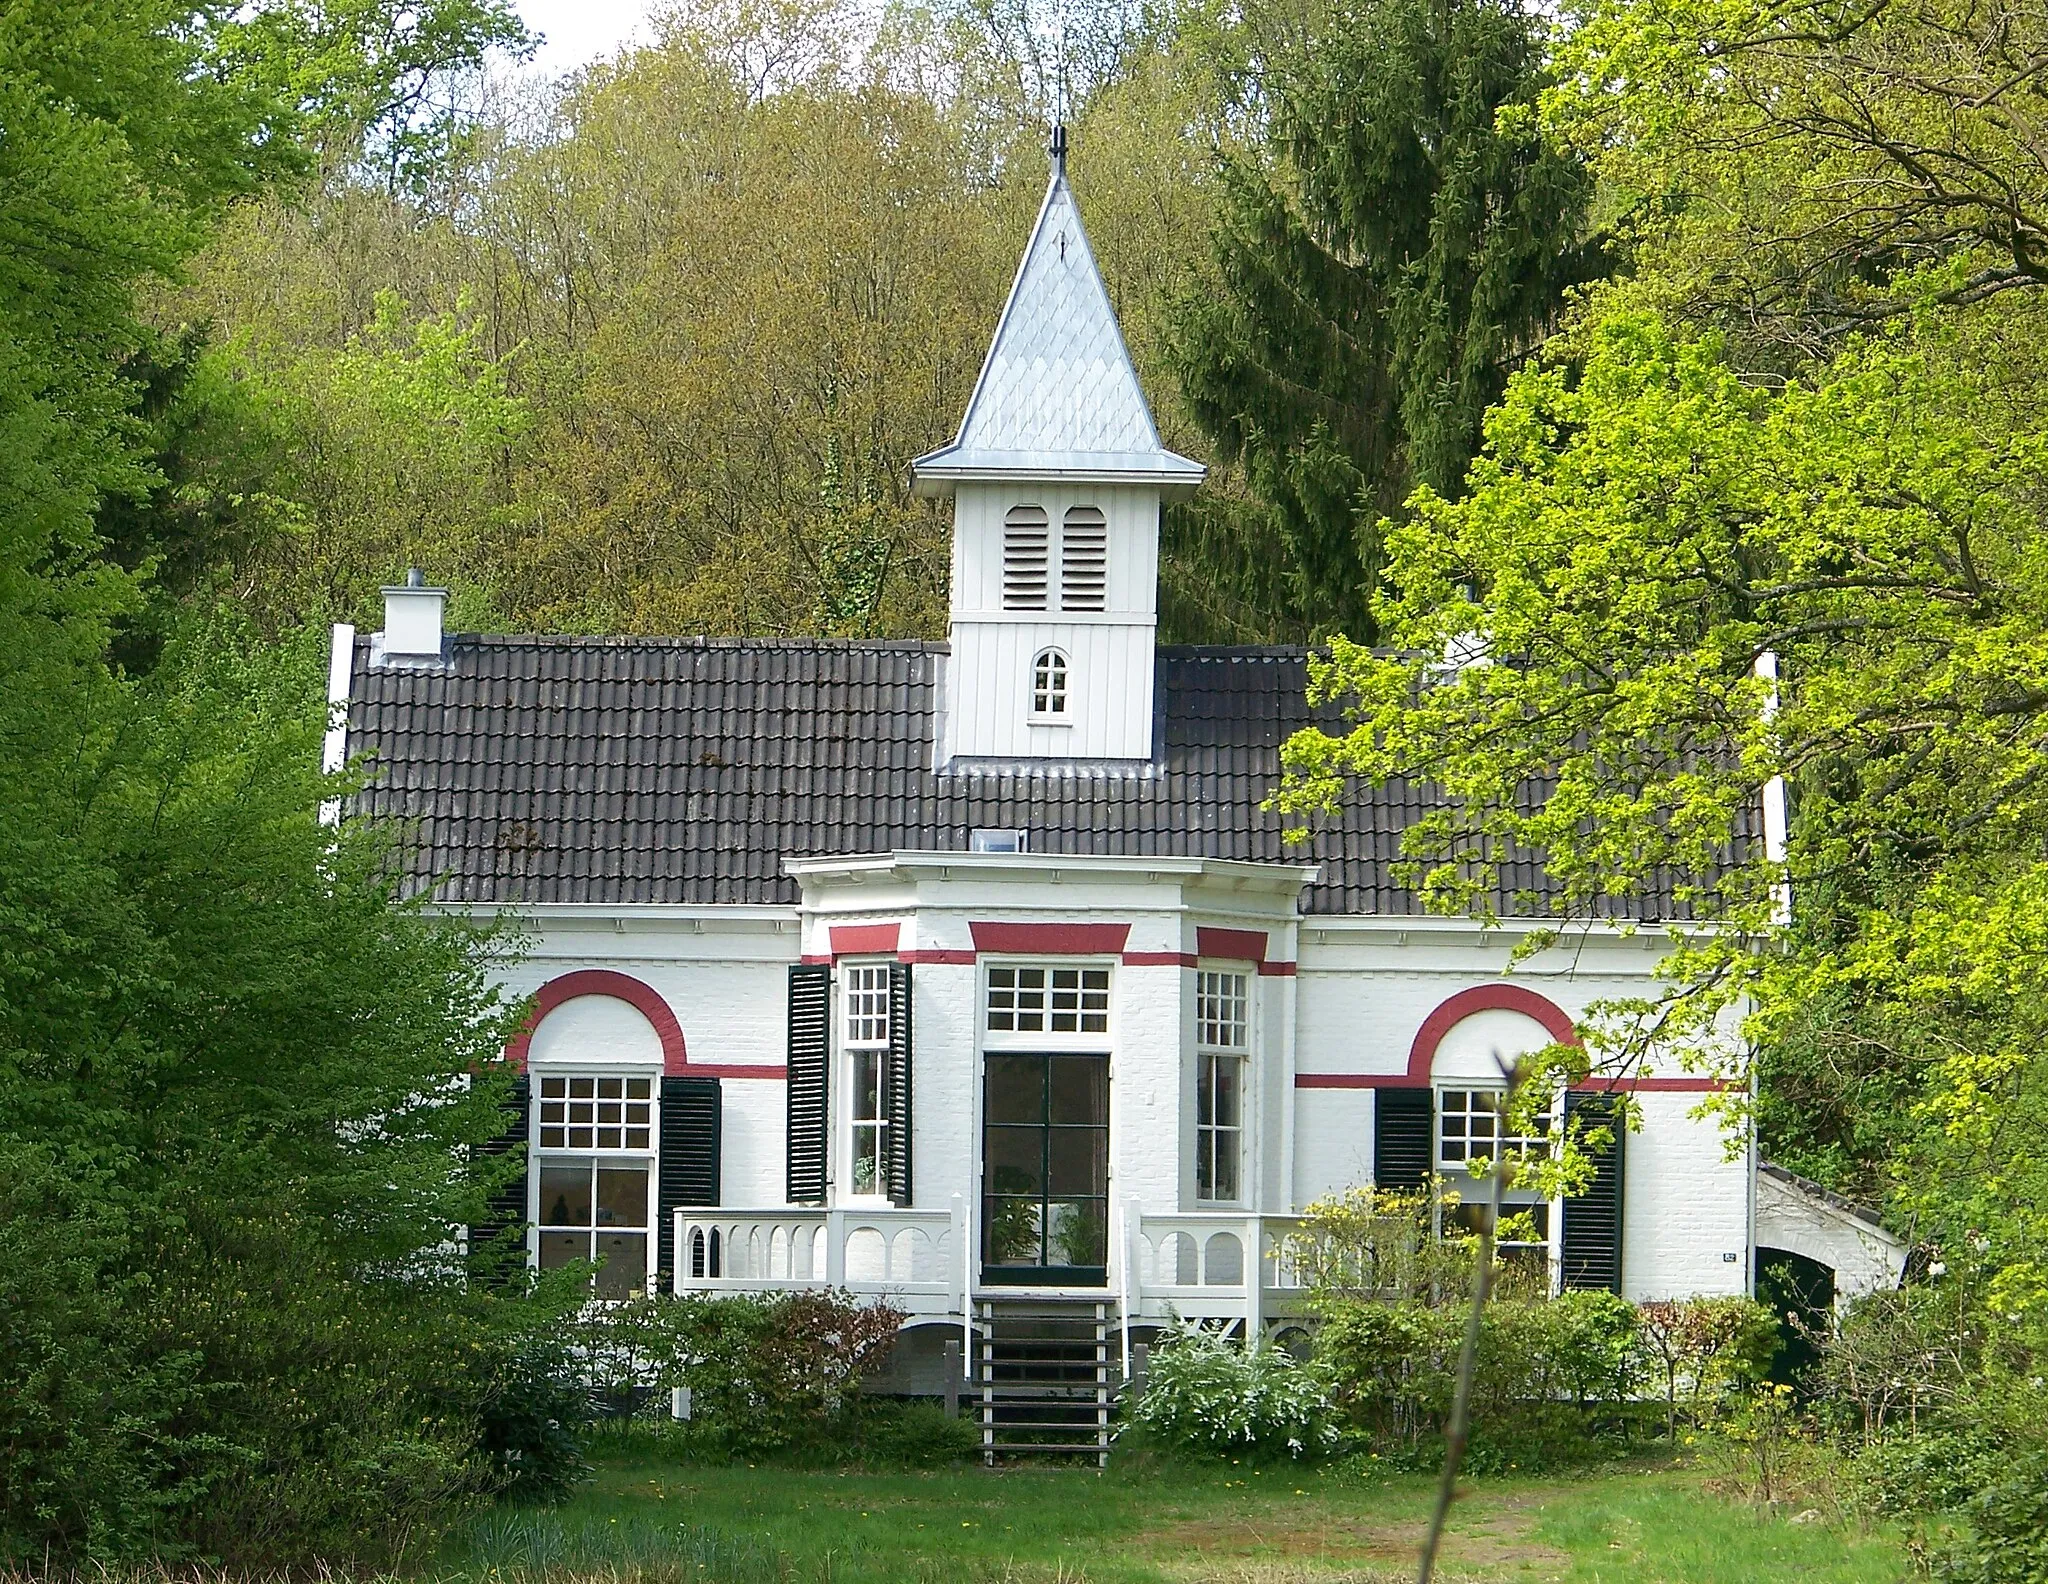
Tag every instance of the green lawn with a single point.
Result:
(646, 1519)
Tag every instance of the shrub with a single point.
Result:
(764, 1374)
(886, 1432)
(2007, 1541)
(1207, 1395)
(530, 1423)
(1710, 1347)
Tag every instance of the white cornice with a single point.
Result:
(689, 913)
(1042, 868)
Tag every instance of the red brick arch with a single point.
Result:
(642, 997)
(1555, 1021)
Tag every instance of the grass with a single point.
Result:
(649, 1521)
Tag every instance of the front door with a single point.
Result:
(1045, 1171)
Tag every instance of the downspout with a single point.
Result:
(341, 659)
(1777, 820)
(1289, 1010)
(1777, 842)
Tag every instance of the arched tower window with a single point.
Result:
(1084, 560)
(1027, 536)
(1049, 684)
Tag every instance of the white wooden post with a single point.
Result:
(962, 1256)
(1254, 1280)
(835, 1248)
(1134, 1270)
(682, 1253)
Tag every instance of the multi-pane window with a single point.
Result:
(594, 1175)
(596, 1113)
(867, 1058)
(1223, 1038)
(1027, 543)
(1221, 1001)
(1044, 1000)
(1084, 560)
(1470, 1128)
(1049, 683)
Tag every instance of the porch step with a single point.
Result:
(1043, 1373)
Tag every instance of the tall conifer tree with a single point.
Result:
(1390, 248)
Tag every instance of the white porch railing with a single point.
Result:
(1198, 1265)
(914, 1258)
(1213, 1265)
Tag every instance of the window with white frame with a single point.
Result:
(866, 994)
(1049, 684)
(1222, 1044)
(594, 1139)
(1039, 999)
(1471, 1128)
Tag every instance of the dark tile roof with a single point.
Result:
(686, 771)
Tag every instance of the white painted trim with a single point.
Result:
(1327, 929)
(341, 657)
(726, 913)
(908, 863)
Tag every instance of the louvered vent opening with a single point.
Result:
(1084, 561)
(1027, 544)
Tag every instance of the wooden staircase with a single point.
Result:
(1044, 1376)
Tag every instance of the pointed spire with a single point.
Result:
(1058, 396)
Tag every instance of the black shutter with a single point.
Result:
(896, 1169)
(689, 1161)
(1591, 1254)
(810, 1049)
(1403, 1136)
(493, 1256)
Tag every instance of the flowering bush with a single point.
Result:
(1206, 1394)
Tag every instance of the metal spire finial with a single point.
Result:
(1059, 147)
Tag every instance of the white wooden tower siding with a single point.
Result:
(976, 976)
(1056, 479)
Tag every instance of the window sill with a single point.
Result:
(1048, 720)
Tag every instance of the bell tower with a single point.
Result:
(1056, 478)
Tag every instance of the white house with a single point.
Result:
(975, 974)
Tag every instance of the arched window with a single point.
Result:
(1049, 684)
(1027, 536)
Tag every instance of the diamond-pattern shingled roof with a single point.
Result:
(1058, 392)
(645, 770)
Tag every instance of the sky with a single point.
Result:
(579, 31)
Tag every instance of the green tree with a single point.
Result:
(235, 1072)
(1644, 528)
(234, 1101)
(1396, 237)
(1794, 183)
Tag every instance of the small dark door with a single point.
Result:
(1045, 1171)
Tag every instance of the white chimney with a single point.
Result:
(412, 620)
